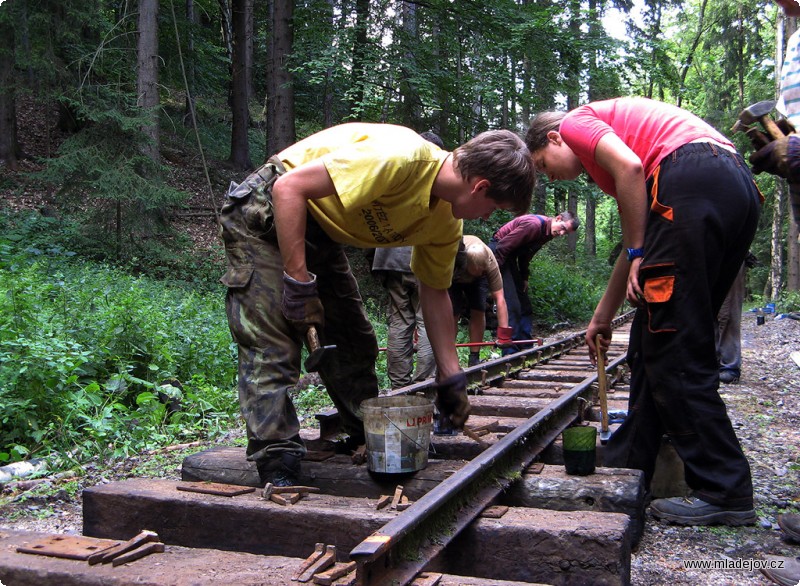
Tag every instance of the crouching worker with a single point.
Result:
(476, 274)
(284, 227)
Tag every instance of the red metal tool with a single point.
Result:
(537, 341)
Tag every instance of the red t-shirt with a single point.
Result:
(651, 129)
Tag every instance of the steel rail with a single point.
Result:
(402, 548)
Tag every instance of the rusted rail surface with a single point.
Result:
(402, 548)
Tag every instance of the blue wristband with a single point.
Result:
(634, 253)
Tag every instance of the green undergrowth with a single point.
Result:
(95, 362)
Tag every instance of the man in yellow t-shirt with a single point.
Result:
(366, 185)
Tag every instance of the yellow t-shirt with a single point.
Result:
(383, 176)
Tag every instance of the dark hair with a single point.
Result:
(500, 157)
(542, 123)
(432, 137)
(571, 219)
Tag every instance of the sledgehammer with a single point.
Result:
(318, 355)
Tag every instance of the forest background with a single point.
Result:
(122, 122)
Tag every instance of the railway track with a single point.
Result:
(520, 405)
(467, 492)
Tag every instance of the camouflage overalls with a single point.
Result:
(269, 347)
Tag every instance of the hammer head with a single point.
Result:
(757, 111)
(319, 357)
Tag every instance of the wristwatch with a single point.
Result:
(634, 253)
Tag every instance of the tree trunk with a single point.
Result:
(189, 104)
(359, 76)
(409, 113)
(280, 102)
(793, 258)
(227, 32)
(147, 73)
(9, 147)
(249, 56)
(240, 146)
(590, 227)
(690, 55)
(775, 277)
(792, 245)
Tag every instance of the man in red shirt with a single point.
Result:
(514, 245)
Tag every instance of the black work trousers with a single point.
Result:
(703, 216)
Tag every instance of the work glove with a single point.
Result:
(301, 304)
(780, 157)
(451, 400)
(504, 336)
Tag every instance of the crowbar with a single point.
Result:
(537, 341)
(602, 387)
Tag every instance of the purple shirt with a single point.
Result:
(521, 238)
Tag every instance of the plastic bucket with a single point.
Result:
(398, 431)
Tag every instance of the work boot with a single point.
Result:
(790, 525)
(280, 471)
(782, 570)
(728, 377)
(693, 511)
(474, 358)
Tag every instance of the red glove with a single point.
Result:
(504, 336)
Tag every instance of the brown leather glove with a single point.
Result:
(301, 304)
(780, 157)
(452, 401)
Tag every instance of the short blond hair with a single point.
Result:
(477, 261)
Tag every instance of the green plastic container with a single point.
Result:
(580, 449)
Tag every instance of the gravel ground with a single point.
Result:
(764, 409)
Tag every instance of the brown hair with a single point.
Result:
(501, 157)
(569, 218)
(542, 123)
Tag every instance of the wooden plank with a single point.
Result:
(561, 547)
(195, 520)
(176, 565)
(506, 406)
(616, 490)
(337, 475)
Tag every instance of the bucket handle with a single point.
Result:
(408, 437)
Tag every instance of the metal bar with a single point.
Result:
(435, 519)
(537, 341)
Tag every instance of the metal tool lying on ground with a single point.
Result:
(91, 550)
(286, 495)
(602, 387)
